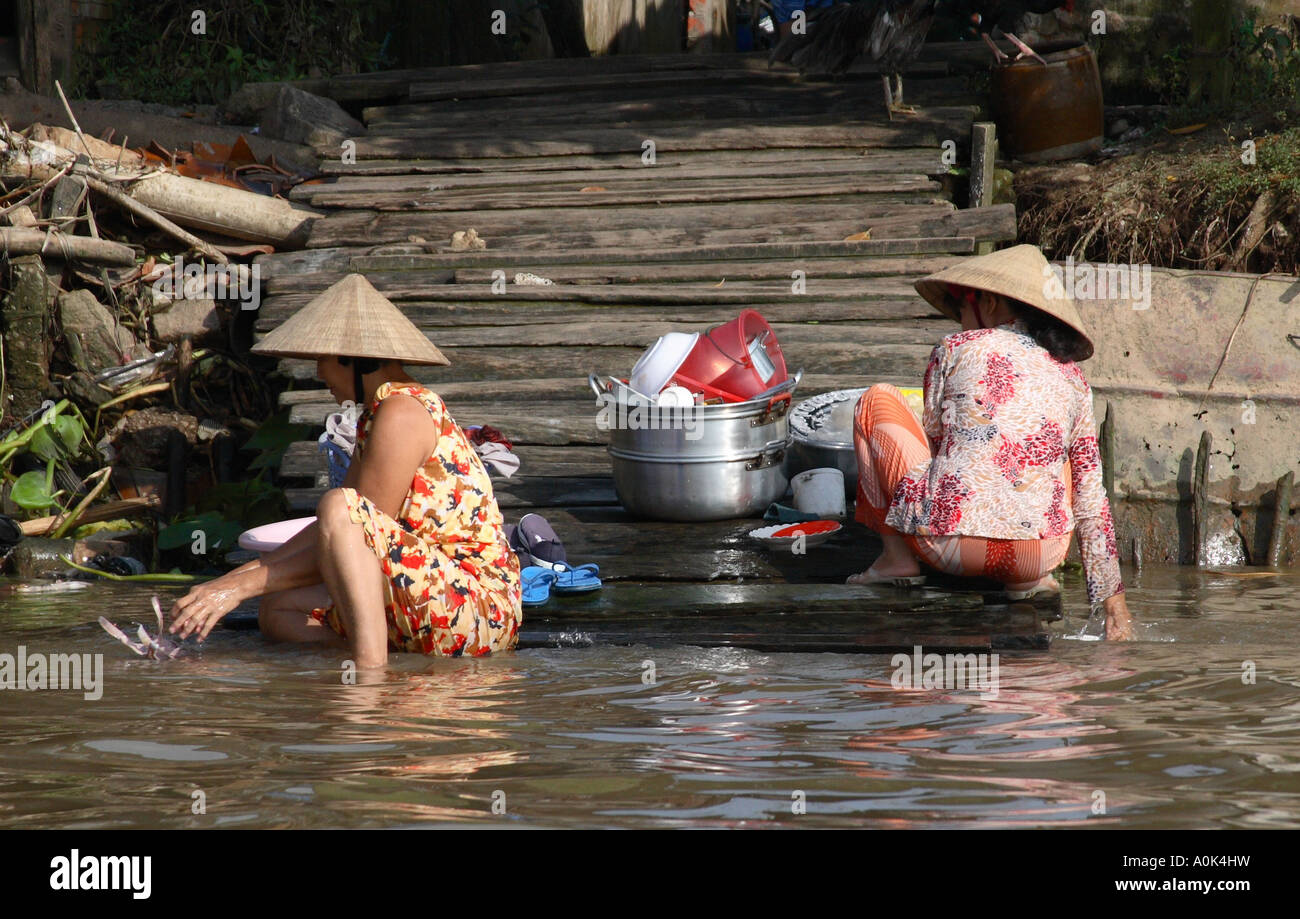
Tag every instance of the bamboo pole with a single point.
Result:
(53, 244)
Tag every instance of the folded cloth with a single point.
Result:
(339, 440)
(341, 427)
(499, 458)
(784, 514)
(485, 433)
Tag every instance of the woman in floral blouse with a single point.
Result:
(410, 554)
(1004, 465)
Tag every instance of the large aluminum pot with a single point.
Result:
(714, 487)
(637, 426)
(821, 435)
(706, 462)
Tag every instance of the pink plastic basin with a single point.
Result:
(272, 536)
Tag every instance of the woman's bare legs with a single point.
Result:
(897, 561)
(285, 615)
(352, 574)
(1046, 583)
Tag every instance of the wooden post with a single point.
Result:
(1108, 453)
(177, 457)
(1281, 515)
(983, 160)
(1201, 496)
(44, 42)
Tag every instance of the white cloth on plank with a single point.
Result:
(498, 457)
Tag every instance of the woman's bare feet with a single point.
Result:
(1023, 591)
(897, 561)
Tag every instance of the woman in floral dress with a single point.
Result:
(1004, 465)
(410, 554)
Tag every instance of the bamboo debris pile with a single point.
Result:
(127, 293)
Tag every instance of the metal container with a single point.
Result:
(692, 431)
(821, 436)
(1051, 112)
(715, 487)
(705, 462)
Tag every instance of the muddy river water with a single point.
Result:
(1196, 724)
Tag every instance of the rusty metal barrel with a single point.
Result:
(1051, 112)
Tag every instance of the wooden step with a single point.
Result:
(841, 358)
(784, 618)
(368, 258)
(936, 126)
(364, 228)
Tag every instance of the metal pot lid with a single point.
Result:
(826, 420)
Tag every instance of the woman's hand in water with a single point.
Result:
(204, 606)
(1119, 625)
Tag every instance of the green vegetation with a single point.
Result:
(57, 435)
(1261, 67)
(150, 49)
(1227, 180)
(226, 510)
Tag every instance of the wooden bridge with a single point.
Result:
(654, 193)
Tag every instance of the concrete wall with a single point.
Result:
(1155, 366)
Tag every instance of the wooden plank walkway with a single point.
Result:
(758, 180)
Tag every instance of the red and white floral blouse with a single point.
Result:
(1003, 418)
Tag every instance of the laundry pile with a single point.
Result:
(340, 437)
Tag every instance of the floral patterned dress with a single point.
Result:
(451, 581)
(1009, 424)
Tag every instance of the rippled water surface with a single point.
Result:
(1160, 733)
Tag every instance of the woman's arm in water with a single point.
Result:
(1096, 527)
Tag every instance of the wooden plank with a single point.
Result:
(873, 190)
(486, 394)
(766, 225)
(937, 125)
(775, 102)
(840, 357)
(753, 217)
(521, 491)
(878, 167)
(304, 460)
(431, 317)
(746, 80)
(782, 618)
(690, 159)
(873, 198)
(787, 638)
(840, 604)
(793, 337)
(401, 287)
(656, 273)
(368, 259)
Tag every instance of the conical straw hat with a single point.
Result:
(1021, 273)
(353, 319)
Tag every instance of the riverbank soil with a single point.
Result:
(1219, 197)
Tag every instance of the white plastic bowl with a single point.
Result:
(655, 368)
(272, 536)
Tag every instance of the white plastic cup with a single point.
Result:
(820, 492)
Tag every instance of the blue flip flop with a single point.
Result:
(578, 580)
(537, 585)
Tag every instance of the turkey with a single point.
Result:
(890, 31)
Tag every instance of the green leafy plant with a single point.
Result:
(226, 510)
(57, 436)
